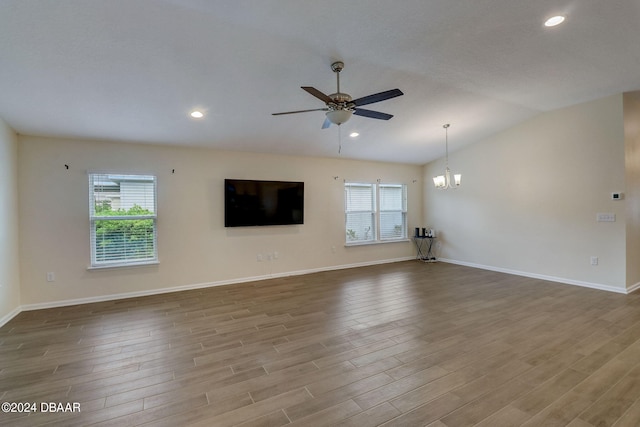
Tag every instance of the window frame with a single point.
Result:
(94, 218)
(376, 213)
(371, 211)
(402, 211)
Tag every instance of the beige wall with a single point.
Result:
(9, 265)
(632, 196)
(194, 246)
(530, 195)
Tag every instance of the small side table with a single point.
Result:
(424, 246)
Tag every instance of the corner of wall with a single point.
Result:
(632, 184)
(9, 243)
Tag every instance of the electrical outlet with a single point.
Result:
(259, 257)
(594, 260)
(276, 255)
(51, 277)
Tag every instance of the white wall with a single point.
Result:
(632, 196)
(194, 247)
(9, 265)
(530, 195)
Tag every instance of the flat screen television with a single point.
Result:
(255, 203)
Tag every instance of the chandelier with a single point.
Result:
(443, 182)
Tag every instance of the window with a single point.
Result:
(393, 211)
(122, 212)
(360, 212)
(375, 212)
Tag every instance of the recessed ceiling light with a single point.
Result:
(197, 114)
(354, 134)
(554, 20)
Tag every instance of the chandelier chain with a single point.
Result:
(446, 143)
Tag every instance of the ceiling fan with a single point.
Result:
(340, 106)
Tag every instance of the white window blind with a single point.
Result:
(122, 213)
(375, 212)
(393, 211)
(359, 202)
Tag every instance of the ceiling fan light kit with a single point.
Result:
(340, 106)
(338, 117)
(443, 182)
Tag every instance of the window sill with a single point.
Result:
(122, 265)
(375, 242)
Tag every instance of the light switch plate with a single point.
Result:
(606, 217)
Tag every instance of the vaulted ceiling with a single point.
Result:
(133, 70)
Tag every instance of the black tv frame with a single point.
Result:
(251, 203)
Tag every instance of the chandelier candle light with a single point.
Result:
(443, 182)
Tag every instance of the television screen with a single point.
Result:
(250, 203)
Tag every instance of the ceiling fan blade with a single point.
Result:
(372, 114)
(300, 111)
(377, 97)
(315, 92)
(326, 123)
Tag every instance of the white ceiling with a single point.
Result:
(132, 70)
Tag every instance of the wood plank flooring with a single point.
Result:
(403, 344)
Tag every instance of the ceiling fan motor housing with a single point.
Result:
(341, 101)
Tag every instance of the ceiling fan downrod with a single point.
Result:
(336, 67)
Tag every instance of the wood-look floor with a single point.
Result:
(404, 344)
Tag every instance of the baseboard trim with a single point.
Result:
(633, 288)
(114, 297)
(5, 319)
(562, 280)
